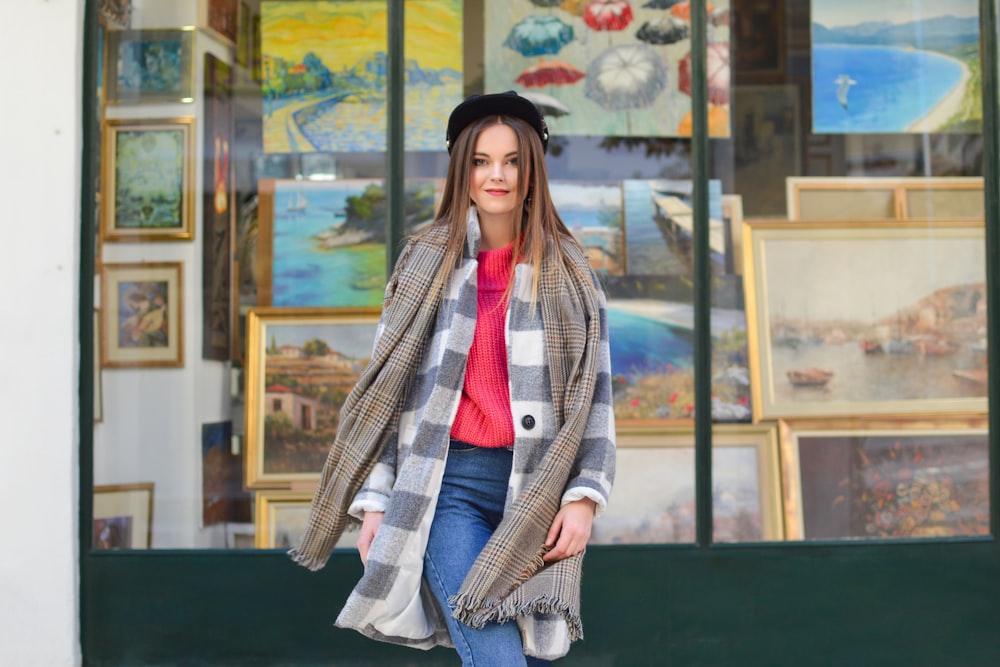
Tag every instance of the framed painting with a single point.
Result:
(223, 499)
(123, 516)
(149, 66)
(322, 243)
(767, 146)
(324, 90)
(217, 211)
(732, 218)
(654, 499)
(758, 35)
(148, 180)
(281, 519)
(895, 67)
(886, 478)
(116, 13)
(301, 364)
(849, 318)
(594, 213)
(142, 315)
(904, 198)
(221, 18)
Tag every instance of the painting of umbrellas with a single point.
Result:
(324, 74)
(896, 67)
(612, 67)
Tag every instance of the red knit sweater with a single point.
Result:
(484, 416)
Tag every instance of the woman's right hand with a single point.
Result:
(369, 526)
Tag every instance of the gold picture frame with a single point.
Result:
(653, 500)
(142, 315)
(843, 317)
(894, 477)
(135, 154)
(281, 517)
(150, 66)
(123, 516)
(890, 198)
(301, 364)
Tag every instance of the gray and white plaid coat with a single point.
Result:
(390, 602)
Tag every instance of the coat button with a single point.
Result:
(528, 422)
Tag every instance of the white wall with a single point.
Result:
(40, 144)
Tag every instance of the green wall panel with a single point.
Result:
(919, 604)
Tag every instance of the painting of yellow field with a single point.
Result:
(324, 74)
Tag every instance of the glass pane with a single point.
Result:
(854, 182)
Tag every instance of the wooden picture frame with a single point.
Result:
(888, 198)
(147, 183)
(896, 477)
(149, 66)
(653, 502)
(142, 323)
(220, 18)
(732, 218)
(758, 35)
(123, 516)
(301, 364)
(281, 518)
(848, 318)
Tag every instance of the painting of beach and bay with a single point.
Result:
(327, 244)
(896, 66)
(324, 74)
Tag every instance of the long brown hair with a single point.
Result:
(539, 219)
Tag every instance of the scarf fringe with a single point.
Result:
(477, 613)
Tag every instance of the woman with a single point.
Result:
(478, 444)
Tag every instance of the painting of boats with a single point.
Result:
(834, 331)
(810, 377)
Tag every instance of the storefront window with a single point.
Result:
(244, 236)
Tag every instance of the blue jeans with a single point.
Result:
(469, 509)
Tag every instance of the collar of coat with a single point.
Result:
(570, 308)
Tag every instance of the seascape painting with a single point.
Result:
(607, 68)
(327, 240)
(896, 66)
(835, 332)
(594, 214)
(324, 74)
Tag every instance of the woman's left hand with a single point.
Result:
(570, 530)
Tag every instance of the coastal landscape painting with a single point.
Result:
(865, 318)
(324, 74)
(607, 68)
(301, 364)
(896, 66)
(594, 214)
(323, 243)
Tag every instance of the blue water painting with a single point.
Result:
(643, 345)
(304, 272)
(894, 87)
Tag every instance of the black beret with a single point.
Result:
(497, 104)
